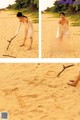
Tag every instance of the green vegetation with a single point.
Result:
(33, 5)
(71, 10)
(75, 19)
(27, 7)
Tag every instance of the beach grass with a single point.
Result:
(74, 18)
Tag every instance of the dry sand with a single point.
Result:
(33, 92)
(8, 27)
(69, 49)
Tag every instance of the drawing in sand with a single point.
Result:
(38, 94)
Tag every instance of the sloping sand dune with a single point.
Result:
(50, 46)
(33, 92)
(8, 27)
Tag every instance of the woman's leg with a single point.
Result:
(24, 41)
(61, 37)
(31, 41)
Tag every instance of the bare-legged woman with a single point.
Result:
(63, 27)
(28, 29)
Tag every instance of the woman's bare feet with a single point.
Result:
(72, 83)
(29, 48)
(22, 45)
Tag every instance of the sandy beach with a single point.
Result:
(70, 47)
(8, 27)
(34, 92)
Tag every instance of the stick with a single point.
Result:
(9, 46)
(9, 56)
(10, 42)
(64, 67)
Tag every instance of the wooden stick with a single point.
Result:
(64, 67)
(9, 56)
(10, 42)
(8, 45)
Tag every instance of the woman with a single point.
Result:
(63, 28)
(28, 29)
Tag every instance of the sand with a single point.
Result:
(70, 48)
(8, 27)
(33, 92)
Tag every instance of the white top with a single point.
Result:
(28, 29)
(63, 29)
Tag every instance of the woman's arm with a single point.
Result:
(18, 29)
